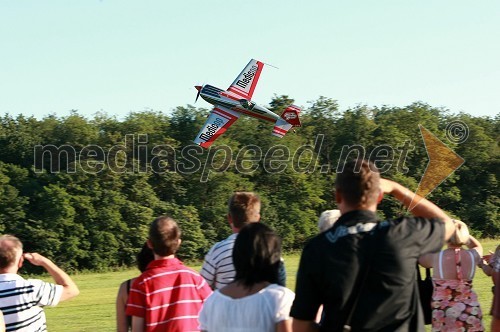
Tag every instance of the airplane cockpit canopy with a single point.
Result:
(247, 104)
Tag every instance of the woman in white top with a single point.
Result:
(454, 302)
(253, 301)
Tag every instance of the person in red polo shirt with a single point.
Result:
(167, 296)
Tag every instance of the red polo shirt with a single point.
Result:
(169, 296)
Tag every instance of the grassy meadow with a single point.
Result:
(94, 309)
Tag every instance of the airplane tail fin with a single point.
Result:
(289, 118)
(291, 115)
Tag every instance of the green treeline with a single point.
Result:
(83, 191)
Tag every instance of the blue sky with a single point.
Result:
(120, 56)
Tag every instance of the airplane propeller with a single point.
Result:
(198, 87)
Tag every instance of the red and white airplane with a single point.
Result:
(230, 104)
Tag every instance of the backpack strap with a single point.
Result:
(440, 264)
(458, 264)
(473, 264)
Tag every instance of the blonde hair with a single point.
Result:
(327, 219)
(460, 235)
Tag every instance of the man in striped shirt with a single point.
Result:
(167, 296)
(218, 269)
(21, 300)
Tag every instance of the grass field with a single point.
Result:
(94, 309)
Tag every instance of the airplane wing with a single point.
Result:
(217, 123)
(245, 83)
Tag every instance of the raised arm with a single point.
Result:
(60, 277)
(420, 207)
(474, 244)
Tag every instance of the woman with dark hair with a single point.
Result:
(253, 301)
(123, 322)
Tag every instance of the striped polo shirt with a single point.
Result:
(218, 269)
(21, 301)
(169, 296)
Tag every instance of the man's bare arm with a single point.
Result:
(60, 277)
(420, 207)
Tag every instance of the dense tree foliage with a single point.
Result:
(83, 191)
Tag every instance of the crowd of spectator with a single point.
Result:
(357, 274)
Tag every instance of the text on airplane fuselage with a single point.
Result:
(247, 77)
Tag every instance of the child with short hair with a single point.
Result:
(167, 296)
